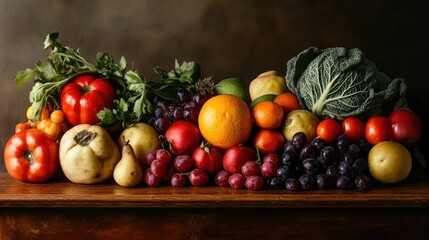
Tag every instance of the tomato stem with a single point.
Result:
(29, 156)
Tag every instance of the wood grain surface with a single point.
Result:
(63, 210)
(60, 192)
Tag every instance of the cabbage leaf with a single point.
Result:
(338, 83)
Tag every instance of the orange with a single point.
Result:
(269, 141)
(225, 121)
(267, 115)
(288, 102)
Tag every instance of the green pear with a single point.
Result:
(128, 171)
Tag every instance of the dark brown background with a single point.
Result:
(227, 38)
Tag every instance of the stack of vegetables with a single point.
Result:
(78, 108)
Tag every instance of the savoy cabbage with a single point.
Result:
(338, 83)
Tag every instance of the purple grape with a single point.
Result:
(307, 181)
(221, 178)
(345, 182)
(363, 182)
(343, 142)
(365, 146)
(254, 183)
(158, 168)
(269, 169)
(200, 99)
(178, 180)
(183, 95)
(360, 166)
(311, 166)
(290, 149)
(327, 155)
(284, 172)
(308, 151)
(158, 111)
(348, 158)
(355, 150)
(345, 169)
(191, 114)
(332, 172)
(161, 124)
(237, 181)
(292, 184)
(288, 159)
(274, 183)
(177, 114)
(150, 179)
(250, 168)
(198, 178)
(323, 181)
(183, 163)
(319, 143)
(299, 140)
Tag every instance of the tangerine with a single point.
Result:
(288, 102)
(225, 121)
(269, 141)
(268, 115)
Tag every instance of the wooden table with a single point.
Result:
(60, 209)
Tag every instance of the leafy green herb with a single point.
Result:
(51, 74)
(135, 92)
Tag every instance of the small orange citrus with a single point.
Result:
(269, 141)
(225, 121)
(268, 115)
(288, 102)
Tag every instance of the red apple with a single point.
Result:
(235, 157)
(209, 160)
(184, 137)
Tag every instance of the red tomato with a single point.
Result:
(209, 160)
(354, 128)
(184, 137)
(378, 129)
(328, 130)
(31, 156)
(406, 127)
(84, 97)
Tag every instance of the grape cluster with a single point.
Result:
(187, 106)
(252, 174)
(304, 166)
(176, 170)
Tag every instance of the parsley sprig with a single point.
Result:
(135, 96)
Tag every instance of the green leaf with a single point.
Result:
(107, 117)
(133, 77)
(24, 76)
(46, 69)
(122, 63)
(50, 39)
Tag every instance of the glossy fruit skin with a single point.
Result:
(31, 156)
(354, 128)
(328, 130)
(267, 115)
(236, 156)
(269, 141)
(84, 97)
(209, 160)
(184, 137)
(288, 101)
(406, 127)
(378, 129)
